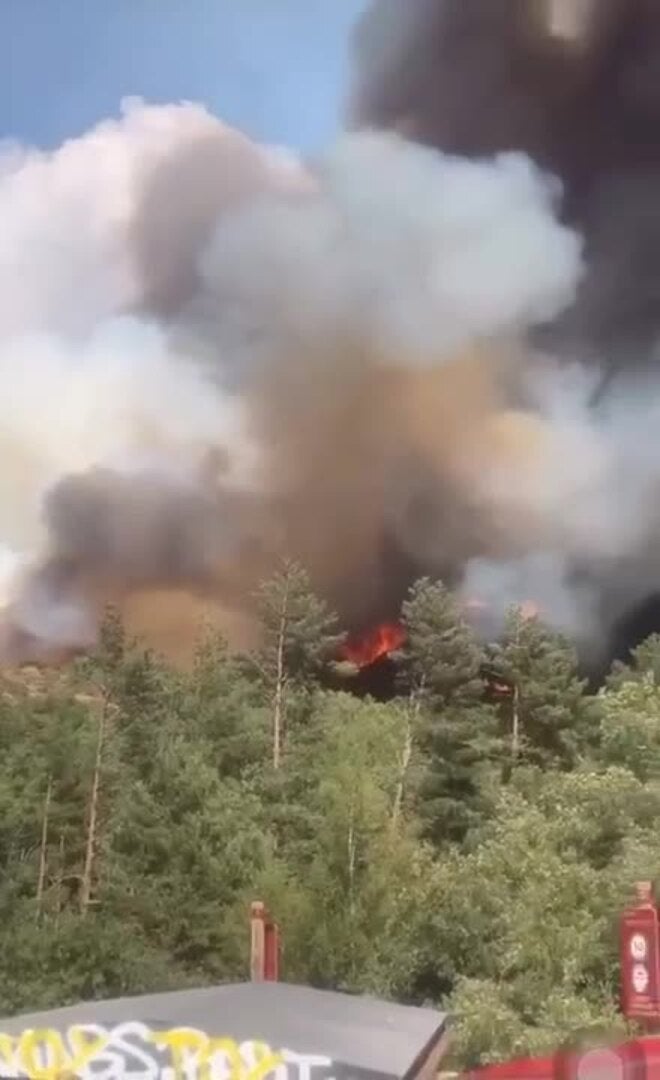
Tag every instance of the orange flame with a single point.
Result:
(380, 642)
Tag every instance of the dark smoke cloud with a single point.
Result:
(576, 85)
(144, 529)
(573, 83)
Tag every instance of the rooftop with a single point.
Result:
(358, 1036)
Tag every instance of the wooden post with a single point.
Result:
(258, 942)
(265, 945)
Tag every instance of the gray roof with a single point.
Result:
(359, 1035)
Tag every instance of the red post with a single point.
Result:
(272, 957)
(640, 958)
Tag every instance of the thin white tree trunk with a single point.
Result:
(515, 723)
(90, 846)
(43, 856)
(279, 698)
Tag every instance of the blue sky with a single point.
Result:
(276, 68)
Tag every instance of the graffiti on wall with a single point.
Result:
(134, 1051)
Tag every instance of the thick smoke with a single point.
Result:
(91, 380)
(380, 362)
(244, 357)
(575, 84)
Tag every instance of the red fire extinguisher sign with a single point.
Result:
(640, 959)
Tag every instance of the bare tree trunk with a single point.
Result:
(406, 754)
(351, 864)
(515, 723)
(412, 718)
(279, 698)
(43, 857)
(515, 707)
(405, 762)
(60, 880)
(90, 846)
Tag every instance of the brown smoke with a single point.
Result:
(329, 362)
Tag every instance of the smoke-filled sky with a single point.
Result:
(275, 68)
(384, 359)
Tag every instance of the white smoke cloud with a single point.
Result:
(412, 254)
(259, 308)
(82, 381)
(588, 498)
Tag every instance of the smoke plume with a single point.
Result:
(575, 85)
(382, 362)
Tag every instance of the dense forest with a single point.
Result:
(469, 841)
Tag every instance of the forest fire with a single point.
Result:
(375, 645)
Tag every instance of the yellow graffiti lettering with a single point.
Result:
(42, 1054)
(7, 1052)
(230, 1051)
(265, 1061)
(84, 1044)
(182, 1044)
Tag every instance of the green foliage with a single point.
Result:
(644, 664)
(490, 1029)
(299, 633)
(411, 848)
(441, 656)
(631, 726)
(367, 885)
(455, 730)
(299, 641)
(548, 717)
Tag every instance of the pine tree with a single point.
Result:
(221, 703)
(441, 657)
(456, 731)
(299, 638)
(644, 664)
(546, 717)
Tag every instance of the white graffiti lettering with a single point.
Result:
(133, 1051)
(300, 1066)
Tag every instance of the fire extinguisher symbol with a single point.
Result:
(638, 948)
(640, 978)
